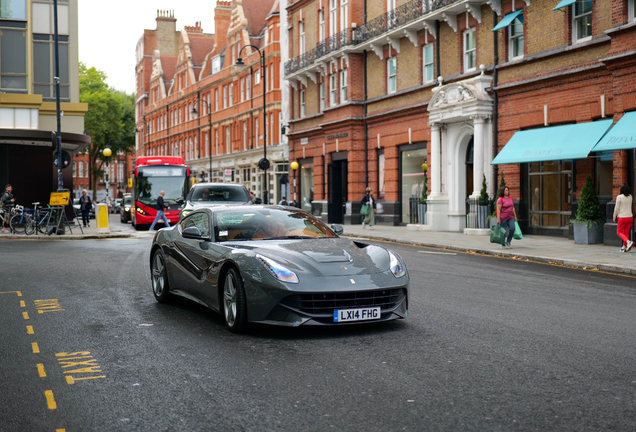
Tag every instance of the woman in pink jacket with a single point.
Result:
(623, 212)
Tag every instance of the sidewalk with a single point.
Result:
(89, 232)
(534, 248)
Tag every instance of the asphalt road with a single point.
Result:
(490, 345)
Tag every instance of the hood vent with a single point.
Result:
(360, 244)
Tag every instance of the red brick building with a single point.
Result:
(378, 88)
(194, 102)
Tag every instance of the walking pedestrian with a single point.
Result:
(85, 207)
(369, 218)
(161, 207)
(506, 214)
(6, 202)
(625, 215)
(283, 202)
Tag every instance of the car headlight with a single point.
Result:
(126, 208)
(141, 211)
(277, 270)
(396, 265)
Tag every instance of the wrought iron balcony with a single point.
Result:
(384, 23)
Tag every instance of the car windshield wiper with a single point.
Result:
(293, 237)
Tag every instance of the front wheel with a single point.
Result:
(159, 275)
(18, 223)
(234, 303)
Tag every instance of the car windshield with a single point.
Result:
(127, 201)
(268, 224)
(219, 194)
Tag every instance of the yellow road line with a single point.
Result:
(22, 304)
(71, 380)
(29, 329)
(60, 430)
(50, 401)
(41, 370)
(25, 315)
(36, 348)
(12, 292)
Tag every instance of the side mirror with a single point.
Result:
(180, 200)
(337, 228)
(193, 232)
(258, 201)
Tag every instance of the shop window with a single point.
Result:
(427, 55)
(306, 188)
(515, 39)
(412, 176)
(604, 174)
(551, 194)
(582, 21)
(470, 50)
(391, 65)
(381, 178)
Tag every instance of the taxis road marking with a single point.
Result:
(25, 315)
(41, 370)
(82, 362)
(50, 400)
(29, 329)
(60, 430)
(50, 305)
(22, 304)
(36, 348)
(12, 292)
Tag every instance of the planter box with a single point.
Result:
(584, 235)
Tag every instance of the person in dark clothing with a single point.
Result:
(161, 207)
(7, 201)
(369, 218)
(85, 207)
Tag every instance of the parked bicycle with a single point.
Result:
(30, 221)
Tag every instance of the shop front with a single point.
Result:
(412, 179)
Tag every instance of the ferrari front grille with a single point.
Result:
(325, 303)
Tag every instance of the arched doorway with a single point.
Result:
(470, 157)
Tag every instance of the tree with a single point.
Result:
(424, 195)
(502, 183)
(110, 119)
(483, 196)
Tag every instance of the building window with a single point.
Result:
(333, 12)
(582, 21)
(343, 86)
(242, 89)
(301, 39)
(248, 86)
(228, 136)
(391, 65)
(81, 169)
(344, 14)
(257, 77)
(15, 9)
(321, 24)
(244, 135)
(74, 169)
(258, 137)
(231, 94)
(43, 64)
(224, 96)
(470, 50)
(516, 38)
(322, 97)
(216, 99)
(391, 5)
(632, 10)
(429, 72)
(271, 76)
(216, 141)
(332, 90)
(271, 129)
(266, 130)
(216, 64)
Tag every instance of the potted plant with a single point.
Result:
(588, 223)
(482, 205)
(421, 207)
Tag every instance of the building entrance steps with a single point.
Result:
(560, 251)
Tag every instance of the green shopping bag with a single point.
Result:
(364, 210)
(498, 235)
(517, 235)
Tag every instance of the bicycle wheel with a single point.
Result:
(30, 225)
(43, 221)
(18, 224)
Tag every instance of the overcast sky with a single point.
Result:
(109, 31)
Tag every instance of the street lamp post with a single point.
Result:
(107, 152)
(194, 111)
(294, 167)
(263, 163)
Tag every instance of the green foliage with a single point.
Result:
(589, 210)
(502, 183)
(110, 118)
(424, 191)
(483, 196)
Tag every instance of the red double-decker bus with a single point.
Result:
(152, 175)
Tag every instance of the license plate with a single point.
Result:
(363, 314)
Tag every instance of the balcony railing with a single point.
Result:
(397, 17)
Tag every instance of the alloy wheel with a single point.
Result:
(158, 275)
(229, 299)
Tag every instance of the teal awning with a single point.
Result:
(505, 22)
(552, 143)
(622, 136)
(564, 3)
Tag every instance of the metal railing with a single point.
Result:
(395, 18)
(477, 212)
(417, 211)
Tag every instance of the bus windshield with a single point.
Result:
(151, 181)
